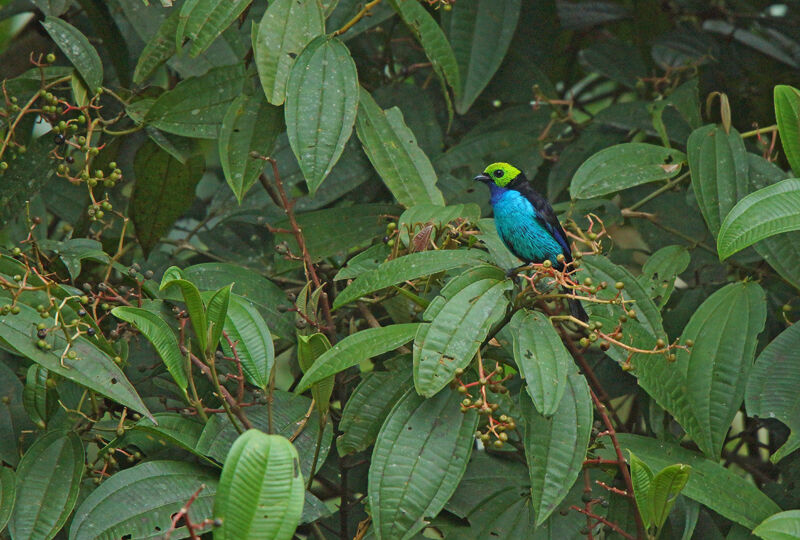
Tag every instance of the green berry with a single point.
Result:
(42, 344)
(50, 58)
(113, 165)
(99, 214)
(15, 310)
(690, 343)
(3, 165)
(619, 285)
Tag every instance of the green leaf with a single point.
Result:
(158, 49)
(173, 277)
(216, 315)
(139, 502)
(417, 464)
(48, 481)
(264, 294)
(246, 327)
(456, 332)
(393, 151)
(542, 360)
(413, 219)
(77, 49)
(555, 446)
(196, 106)
(772, 386)
(664, 490)
(173, 429)
(642, 478)
(368, 406)
(288, 412)
(355, 348)
(720, 489)
(40, 402)
(406, 268)
(767, 212)
(615, 59)
(286, 28)
(704, 387)
(309, 350)
(432, 38)
(8, 495)
(91, 368)
(661, 269)
(203, 21)
(13, 418)
(74, 250)
(624, 166)
(250, 125)
(160, 335)
(480, 33)
(719, 166)
(787, 113)
(164, 190)
(26, 175)
(260, 492)
(321, 104)
(781, 526)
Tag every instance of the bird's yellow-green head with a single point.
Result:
(500, 173)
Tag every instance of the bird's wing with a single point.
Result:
(545, 215)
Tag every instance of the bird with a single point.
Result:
(526, 222)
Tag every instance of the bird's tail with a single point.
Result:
(576, 309)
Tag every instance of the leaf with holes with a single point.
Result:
(541, 358)
(320, 109)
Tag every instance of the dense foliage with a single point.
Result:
(250, 290)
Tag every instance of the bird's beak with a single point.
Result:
(482, 178)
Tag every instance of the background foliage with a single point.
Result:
(249, 289)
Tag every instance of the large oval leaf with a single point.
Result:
(454, 335)
(203, 20)
(191, 110)
(368, 406)
(48, 481)
(624, 166)
(355, 348)
(480, 33)
(542, 360)
(769, 211)
(173, 277)
(703, 389)
(392, 149)
(286, 28)
(160, 335)
(260, 493)
(719, 166)
(417, 463)
(556, 445)
(780, 526)
(139, 502)
(773, 383)
(787, 113)
(321, 104)
(158, 50)
(250, 125)
(405, 268)
(77, 49)
(91, 367)
(722, 490)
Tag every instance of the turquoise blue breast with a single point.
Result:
(515, 219)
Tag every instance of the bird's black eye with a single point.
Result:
(498, 173)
